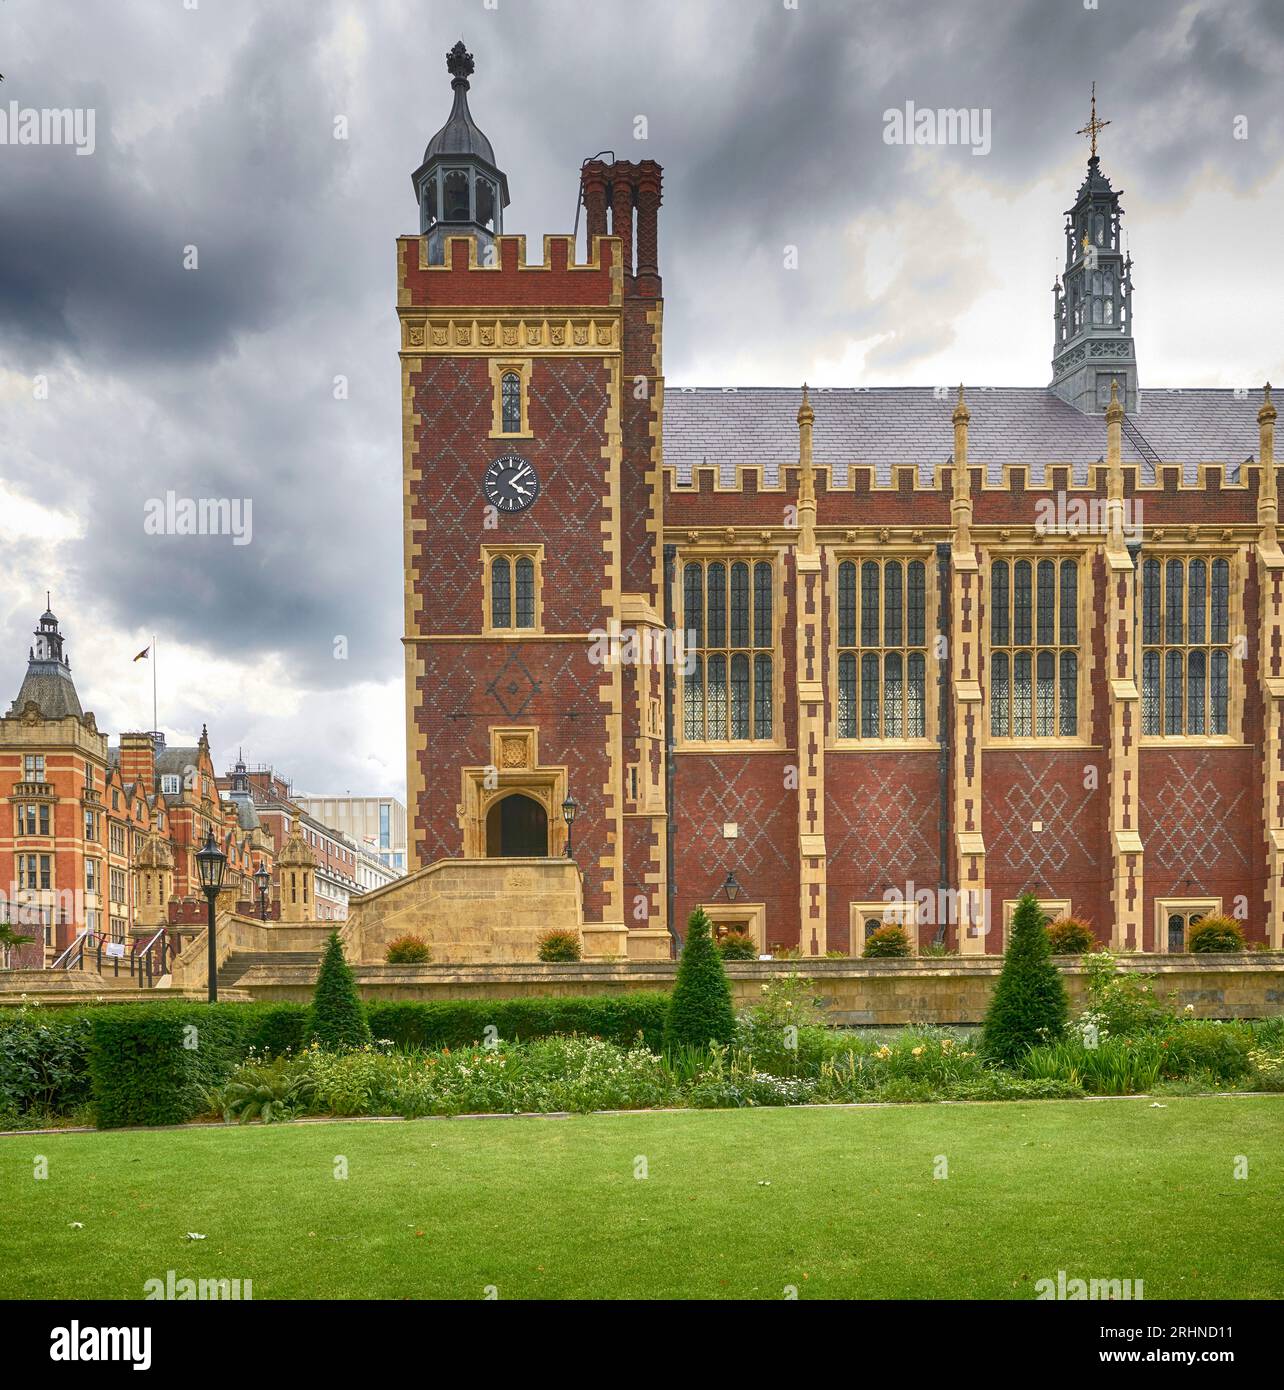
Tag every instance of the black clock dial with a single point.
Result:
(510, 483)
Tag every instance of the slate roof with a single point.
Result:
(903, 425)
(177, 760)
(49, 684)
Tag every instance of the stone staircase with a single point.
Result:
(235, 966)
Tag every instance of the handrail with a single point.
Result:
(78, 944)
(142, 961)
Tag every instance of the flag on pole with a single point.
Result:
(142, 654)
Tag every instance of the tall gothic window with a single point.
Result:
(882, 649)
(727, 687)
(1034, 648)
(1185, 637)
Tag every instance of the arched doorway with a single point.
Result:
(517, 827)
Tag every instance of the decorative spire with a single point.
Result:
(806, 478)
(1114, 471)
(1092, 342)
(961, 504)
(1093, 126)
(1267, 496)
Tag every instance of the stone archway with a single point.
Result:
(514, 770)
(516, 828)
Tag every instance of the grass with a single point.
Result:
(840, 1203)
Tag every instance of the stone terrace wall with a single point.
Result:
(886, 993)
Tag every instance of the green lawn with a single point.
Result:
(840, 1203)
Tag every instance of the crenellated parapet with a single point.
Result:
(507, 278)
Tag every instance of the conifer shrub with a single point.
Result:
(700, 1009)
(559, 946)
(1029, 1003)
(337, 1019)
(1214, 934)
(1068, 936)
(408, 950)
(889, 941)
(738, 945)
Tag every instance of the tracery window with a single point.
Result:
(728, 681)
(1185, 637)
(1034, 648)
(881, 625)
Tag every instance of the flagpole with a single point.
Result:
(155, 724)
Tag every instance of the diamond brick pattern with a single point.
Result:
(1193, 821)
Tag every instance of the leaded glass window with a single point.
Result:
(513, 580)
(510, 403)
(1034, 648)
(1185, 634)
(727, 689)
(882, 660)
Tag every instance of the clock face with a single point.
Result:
(510, 483)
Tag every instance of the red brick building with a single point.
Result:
(97, 840)
(935, 647)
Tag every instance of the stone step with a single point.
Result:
(235, 966)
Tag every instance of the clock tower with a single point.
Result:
(531, 407)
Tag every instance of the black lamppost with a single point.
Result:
(211, 863)
(570, 809)
(262, 878)
(731, 887)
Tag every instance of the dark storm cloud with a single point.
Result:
(216, 129)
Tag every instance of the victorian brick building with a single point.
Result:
(933, 649)
(100, 840)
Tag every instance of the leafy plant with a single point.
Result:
(44, 1060)
(738, 945)
(1268, 1067)
(936, 950)
(890, 941)
(700, 1006)
(1219, 1050)
(264, 1091)
(10, 940)
(408, 950)
(337, 1019)
(559, 946)
(1068, 936)
(1120, 1004)
(1215, 934)
(1029, 1003)
(1114, 1067)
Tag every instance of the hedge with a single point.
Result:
(131, 1059)
(459, 1022)
(149, 1063)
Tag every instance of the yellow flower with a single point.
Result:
(917, 1051)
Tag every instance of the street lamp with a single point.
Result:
(570, 809)
(262, 878)
(210, 864)
(731, 887)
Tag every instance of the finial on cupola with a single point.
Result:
(460, 65)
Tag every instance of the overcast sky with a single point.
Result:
(214, 128)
